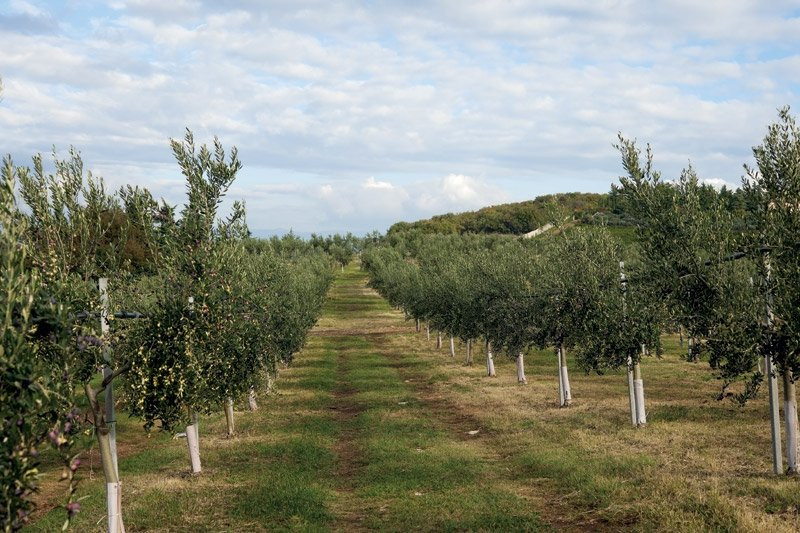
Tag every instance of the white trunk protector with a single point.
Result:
(561, 396)
(638, 387)
(251, 400)
(114, 506)
(521, 369)
(790, 419)
(193, 440)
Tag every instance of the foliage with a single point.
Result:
(773, 197)
(188, 355)
(252, 302)
(342, 249)
(34, 396)
(716, 261)
(611, 210)
(515, 218)
(248, 310)
(558, 290)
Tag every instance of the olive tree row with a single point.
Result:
(562, 291)
(35, 398)
(731, 284)
(215, 320)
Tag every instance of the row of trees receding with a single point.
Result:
(725, 277)
(182, 312)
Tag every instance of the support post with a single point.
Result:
(113, 487)
(111, 417)
(107, 439)
(772, 377)
(631, 392)
(635, 383)
(775, 417)
(192, 431)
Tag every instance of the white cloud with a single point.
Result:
(25, 8)
(530, 93)
(719, 183)
(371, 183)
(456, 192)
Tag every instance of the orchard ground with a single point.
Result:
(373, 428)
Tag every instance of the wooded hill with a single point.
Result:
(522, 217)
(515, 218)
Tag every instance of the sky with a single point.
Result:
(350, 116)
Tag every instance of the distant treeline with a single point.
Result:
(522, 217)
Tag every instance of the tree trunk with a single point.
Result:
(631, 392)
(521, 369)
(468, 360)
(106, 431)
(452, 347)
(790, 419)
(638, 389)
(110, 417)
(229, 417)
(561, 395)
(193, 440)
(251, 400)
(680, 334)
(428, 332)
(438, 340)
(775, 417)
(772, 380)
(270, 383)
(113, 488)
(566, 392)
(418, 325)
(489, 360)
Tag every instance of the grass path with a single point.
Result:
(370, 431)
(400, 466)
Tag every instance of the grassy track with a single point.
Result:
(370, 432)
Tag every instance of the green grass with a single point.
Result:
(368, 431)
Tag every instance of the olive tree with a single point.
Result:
(70, 250)
(723, 281)
(180, 356)
(772, 191)
(35, 398)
